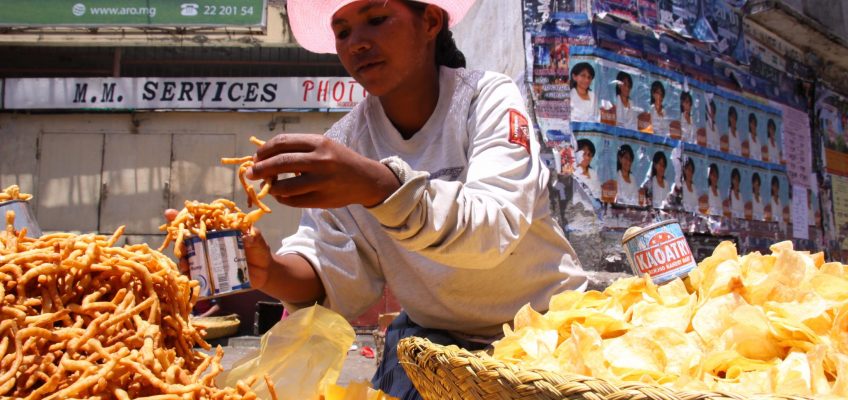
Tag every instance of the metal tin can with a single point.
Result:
(220, 261)
(659, 250)
(23, 217)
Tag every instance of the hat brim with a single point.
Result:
(310, 20)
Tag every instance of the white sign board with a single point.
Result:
(181, 93)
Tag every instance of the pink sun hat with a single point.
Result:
(310, 20)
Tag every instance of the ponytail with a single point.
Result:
(447, 53)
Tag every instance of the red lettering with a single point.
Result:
(337, 97)
(351, 83)
(323, 90)
(307, 87)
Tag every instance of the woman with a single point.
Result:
(737, 204)
(687, 124)
(431, 186)
(733, 140)
(658, 117)
(583, 107)
(660, 187)
(757, 208)
(713, 140)
(626, 114)
(754, 146)
(714, 197)
(690, 194)
(774, 205)
(627, 190)
(773, 149)
(585, 173)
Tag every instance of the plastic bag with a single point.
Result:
(302, 354)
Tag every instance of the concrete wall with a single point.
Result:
(94, 172)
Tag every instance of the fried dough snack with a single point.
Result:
(13, 193)
(245, 163)
(197, 218)
(81, 318)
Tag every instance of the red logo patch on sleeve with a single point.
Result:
(519, 129)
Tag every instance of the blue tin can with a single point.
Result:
(659, 250)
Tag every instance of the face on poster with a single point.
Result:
(755, 133)
(728, 125)
(631, 167)
(583, 94)
(717, 184)
(660, 176)
(664, 106)
(693, 183)
(594, 158)
(759, 193)
(620, 96)
(778, 197)
(773, 138)
(691, 115)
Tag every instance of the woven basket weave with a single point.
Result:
(448, 372)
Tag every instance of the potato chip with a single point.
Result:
(751, 324)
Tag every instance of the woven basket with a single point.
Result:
(448, 372)
(218, 327)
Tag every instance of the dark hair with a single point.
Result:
(732, 111)
(771, 124)
(714, 167)
(735, 174)
(657, 85)
(752, 118)
(588, 143)
(621, 77)
(658, 156)
(625, 149)
(683, 96)
(756, 177)
(689, 163)
(447, 53)
(775, 181)
(578, 69)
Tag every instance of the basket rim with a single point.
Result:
(430, 366)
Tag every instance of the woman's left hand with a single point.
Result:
(327, 174)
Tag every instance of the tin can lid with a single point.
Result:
(634, 231)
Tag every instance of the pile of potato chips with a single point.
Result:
(768, 324)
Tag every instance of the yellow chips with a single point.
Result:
(747, 324)
(13, 193)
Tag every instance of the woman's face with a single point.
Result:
(624, 88)
(587, 157)
(583, 80)
(626, 162)
(752, 128)
(734, 183)
(657, 95)
(659, 166)
(771, 132)
(688, 172)
(687, 105)
(775, 190)
(731, 121)
(755, 187)
(383, 44)
(713, 178)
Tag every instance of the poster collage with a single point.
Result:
(643, 127)
(831, 126)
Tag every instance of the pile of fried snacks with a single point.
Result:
(354, 391)
(197, 218)
(80, 318)
(774, 324)
(252, 196)
(13, 193)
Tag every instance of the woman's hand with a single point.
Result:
(327, 174)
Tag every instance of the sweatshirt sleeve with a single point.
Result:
(341, 256)
(476, 223)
